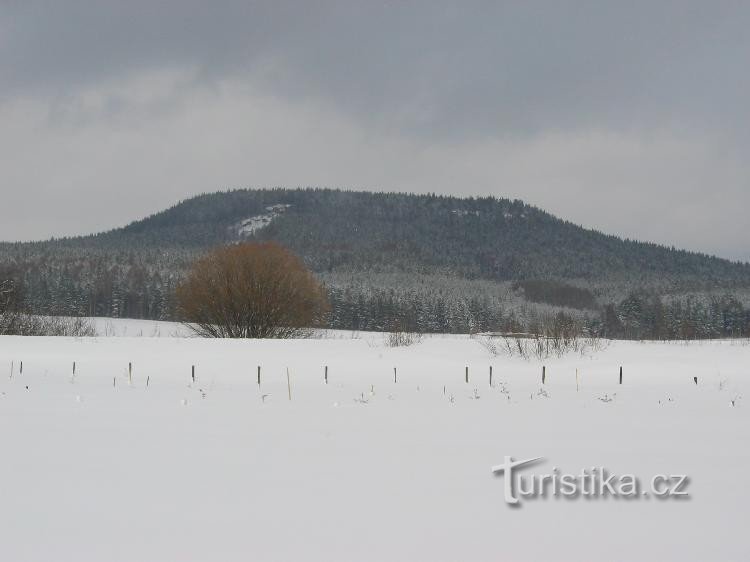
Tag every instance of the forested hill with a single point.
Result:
(487, 238)
(428, 262)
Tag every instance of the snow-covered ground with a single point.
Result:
(98, 466)
(127, 328)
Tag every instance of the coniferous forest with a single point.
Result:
(422, 263)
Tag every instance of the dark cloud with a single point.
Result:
(433, 67)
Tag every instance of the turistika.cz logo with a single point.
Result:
(594, 482)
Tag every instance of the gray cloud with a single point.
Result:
(628, 117)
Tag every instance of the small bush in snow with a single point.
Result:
(402, 339)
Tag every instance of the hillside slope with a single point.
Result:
(392, 244)
(478, 238)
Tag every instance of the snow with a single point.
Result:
(118, 327)
(251, 225)
(100, 467)
(465, 213)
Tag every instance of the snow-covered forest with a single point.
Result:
(394, 261)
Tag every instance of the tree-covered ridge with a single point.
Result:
(435, 263)
(484, 238)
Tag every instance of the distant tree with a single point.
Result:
(251, 290)
(6, 295)
(7, 306)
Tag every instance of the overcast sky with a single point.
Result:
(629, 117)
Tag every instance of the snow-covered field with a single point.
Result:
(101, 467)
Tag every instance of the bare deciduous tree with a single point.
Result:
(251, 290)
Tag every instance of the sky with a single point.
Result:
(628, 117)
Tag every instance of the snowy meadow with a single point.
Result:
(160, 447)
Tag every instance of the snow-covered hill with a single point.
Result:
(151, 465)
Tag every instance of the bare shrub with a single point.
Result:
(67, 327)
(556, 336)
(251, 290)
(402, 339)
(536, 346)
(31, 325)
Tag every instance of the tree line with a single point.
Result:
(426, 263)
